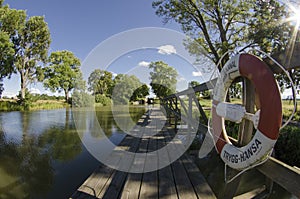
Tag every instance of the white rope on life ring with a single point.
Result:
(267, 120)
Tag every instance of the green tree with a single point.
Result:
(194, 84)
(215, 27)
(264, 30)
(63, 73)
(124, 88)
(235, 90)
(100, 82)
(140, 93)
(31, 40)
(6, 58)
(163, 79)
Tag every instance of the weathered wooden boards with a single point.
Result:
(180, 179)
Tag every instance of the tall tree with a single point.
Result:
(31, 40)
(140, 93)
(218, 26)
(100, 82)
(125, 87)
(163, 79)
(266, 28)
(63, 73)
(6, 58)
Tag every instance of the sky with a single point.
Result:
(101, 28)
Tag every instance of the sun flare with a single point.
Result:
(295, 15)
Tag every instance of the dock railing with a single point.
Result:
(182, 105)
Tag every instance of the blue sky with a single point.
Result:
(84, 26)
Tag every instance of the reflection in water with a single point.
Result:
(23, 168)
(41, 154)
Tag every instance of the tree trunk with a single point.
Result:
(23, 85)
(66, 95)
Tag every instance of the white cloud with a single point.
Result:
(144, 63)
(197, 74)
(181, 79)
(34, 91)
(166, 50)
(9, 94)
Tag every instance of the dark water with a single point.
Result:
(41, 153)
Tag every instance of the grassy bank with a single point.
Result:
(13, 105)
(287, 107)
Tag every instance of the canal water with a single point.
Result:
(41, 153)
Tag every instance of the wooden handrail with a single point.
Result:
(284, 175)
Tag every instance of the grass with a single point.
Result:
(287, 107)
(12, 105)
(48, 104)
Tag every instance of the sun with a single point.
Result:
(295, 15)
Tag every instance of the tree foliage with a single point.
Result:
(216, 26)
(163, 79)
(128, 88)
(140, 93)
(30, 39)
(266, 29)
(63, 73)
(6, 58)
(100, 82)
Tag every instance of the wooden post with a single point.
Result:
(245, 134)
(170, 112)
(190, 111)
(176, 117)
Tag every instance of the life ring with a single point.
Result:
(269, 117)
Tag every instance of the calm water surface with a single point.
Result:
(41, 153)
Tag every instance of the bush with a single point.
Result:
(82, 99)
(10, 106)
(102, 99)
(287, 148)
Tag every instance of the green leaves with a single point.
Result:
(163, 79)
(6, 55)
(63, 73)
(127, 88)
(100, 82)
(215, 27)
(26, 44)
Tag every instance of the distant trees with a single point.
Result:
(63, 73)
(30, 40)
(128, 88)
(163, 79)
(122, 89)
(100, 82)
(140, 93)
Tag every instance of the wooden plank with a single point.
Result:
(166, 189)
(172, 181)
(251, 194)
(98, 183)
(283, 174)
(94, 184)
(198, 181)
(132, 185)
(183, 185)
(118, 178)
(149, 187)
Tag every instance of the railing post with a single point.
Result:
(190, 111)
(245, 133)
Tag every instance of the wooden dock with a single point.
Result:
(180, 179)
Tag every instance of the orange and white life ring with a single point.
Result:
(268, 118)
